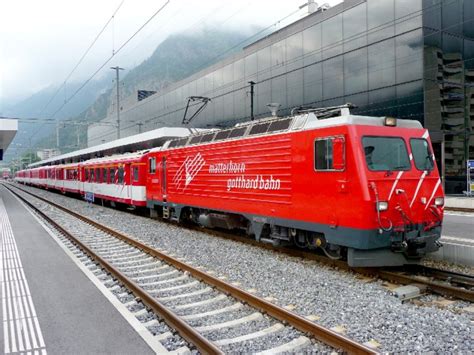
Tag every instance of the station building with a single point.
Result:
(403, 58)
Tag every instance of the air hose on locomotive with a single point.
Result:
(379, 219)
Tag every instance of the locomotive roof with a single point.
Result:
(272, 125)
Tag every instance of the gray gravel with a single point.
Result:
(366, 310)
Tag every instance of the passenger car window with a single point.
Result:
(385, 153)
(120, 175)
(152, 166)
(421, 154)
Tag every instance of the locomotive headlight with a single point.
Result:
(439, 201)
(390, 121)
(382, 205)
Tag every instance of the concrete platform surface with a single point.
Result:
(457, 238)
(459, 202)
(48, 304)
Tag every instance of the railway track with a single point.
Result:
(442, 282)
(189, 299)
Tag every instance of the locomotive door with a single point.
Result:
(127, 180)
(163, 178)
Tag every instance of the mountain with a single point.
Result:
(181, 55)
(176, 58)
(32, 128)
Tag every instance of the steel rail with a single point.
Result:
(325, 335)
(454, 277)
(446, 290)
(204, 345)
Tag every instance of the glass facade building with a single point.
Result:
(403, 58)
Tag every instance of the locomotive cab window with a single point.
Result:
(385, 153)
(421, 154)
(135, 173)
(329, 154)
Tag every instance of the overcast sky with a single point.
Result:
(42, 40)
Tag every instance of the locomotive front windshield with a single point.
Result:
(421, 154)
(385, 153)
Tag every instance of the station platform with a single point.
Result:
(457, 238)
(459, 202)
(48, 304)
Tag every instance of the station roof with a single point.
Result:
(8, 129)
(142, 141)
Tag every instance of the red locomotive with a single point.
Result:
(362, 188)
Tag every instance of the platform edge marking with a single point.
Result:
(156, 346)
(15, 292)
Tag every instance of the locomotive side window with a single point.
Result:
(280, 125)
(237, 132)
(195, 140)
(385, 153)
(181, 142)
(152, 166)
(207, 138)
(329, 154)
(135, 173)
(259, 128)
(421, 154)
(222, 135)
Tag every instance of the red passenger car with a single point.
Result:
(119, 178)
(365, 188)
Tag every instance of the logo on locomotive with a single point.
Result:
(188, 171)
(193, 165)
